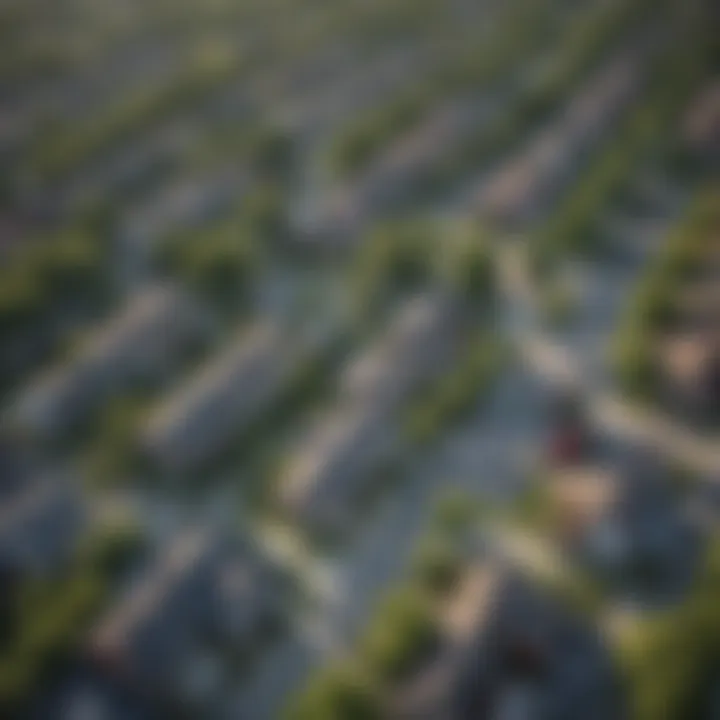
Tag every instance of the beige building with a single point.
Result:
(419, 343)
(334, 465)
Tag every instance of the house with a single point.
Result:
(689, 367)
(701, 125)
(312, 116)
(394, 176)
(16, 464)
(697, 306)
(224, 397)
(41, 526)
(200, 595)
(186, 204)
(140, 342)
(522, 189)
(510, 651)
(626, 523)
(420, 342)
(335, 464)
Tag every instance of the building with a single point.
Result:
(529, 183)
(41, 526)
(701, 126)
(335, 465)
(627, 524)
(223, 398)
(395, 175)
(199, 598)
(187, 204)
(689, 372)
(420, 342)
(509, 651)
(16, 464)
(697, 306)
(141, 342)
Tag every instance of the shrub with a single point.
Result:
(401, 635)
(436, 566)
(634, 362)
(337, 693)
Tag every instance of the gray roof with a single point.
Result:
(521, 185)
(424, 329)
(152, 320)
(42, 524)
(333, 462)
(185, 561)
(223, 396)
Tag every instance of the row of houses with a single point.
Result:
(346, 447)
(225, 396)
(185, 204)
(142, 341)
(312, 115)
(204, 595)
(393, 177)
(529, 182)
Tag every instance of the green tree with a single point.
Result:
(437, 566)
(401, 634)
(336, 693)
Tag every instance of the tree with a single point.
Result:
(71, 262)
(456, 512)
(22, 298)
(265, 212)
(272, 154)
(402, 633)
(469, 263)
(114, 444)
(634, 361)
(672, 658)
(336, 693)
(437, 566)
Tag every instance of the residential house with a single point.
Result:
(689, 369)
(186, 204)
(420, 342)
(200, 597)
(701, 126)
(697, 306)
(626, 523)
(141, 341)
(41, 526)
(529, 183)
(510, 651)
(224, 397)
(394, 176)
(16, 464)
(334, 466)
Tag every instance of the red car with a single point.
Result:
(569, 438)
